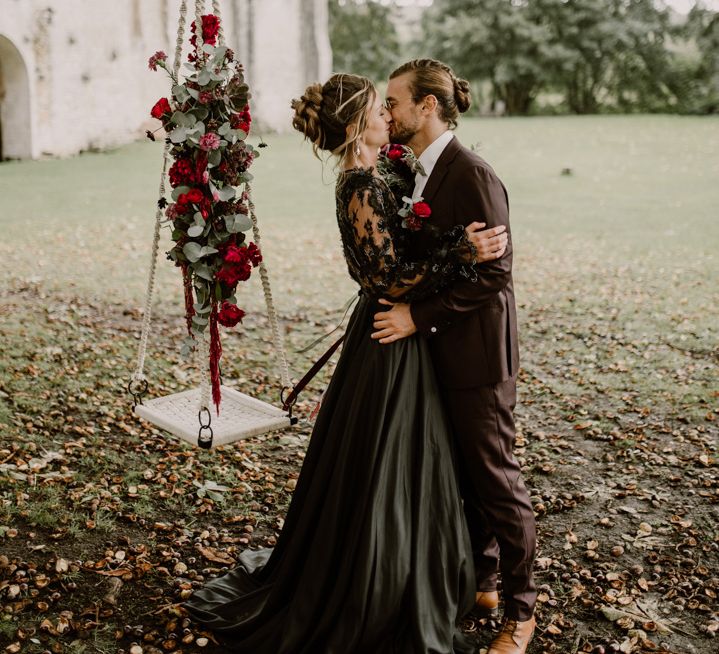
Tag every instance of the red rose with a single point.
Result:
(162, 107)
(395, 153)
(421, 210)
(230, 314)
(194, 196)
(182, 205)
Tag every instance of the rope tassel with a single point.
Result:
(189, 298)
(215, 355)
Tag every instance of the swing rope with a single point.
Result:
(138, 377)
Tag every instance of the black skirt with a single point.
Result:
(374, 556)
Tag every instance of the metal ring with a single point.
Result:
(282, 397)
(137, 394)
(209, 417)
(205, 441)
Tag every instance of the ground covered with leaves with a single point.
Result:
(107, 524)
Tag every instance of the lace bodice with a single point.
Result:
(374, 243)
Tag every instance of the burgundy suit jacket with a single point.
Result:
(471, 326)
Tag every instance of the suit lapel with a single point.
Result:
(440, 169)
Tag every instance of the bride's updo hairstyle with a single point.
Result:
(432, 77)
(324, 112)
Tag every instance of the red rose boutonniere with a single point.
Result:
(414, 213)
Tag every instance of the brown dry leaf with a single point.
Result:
(216, 556)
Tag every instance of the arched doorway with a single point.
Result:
(15, 118)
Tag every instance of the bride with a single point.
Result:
(374, 556)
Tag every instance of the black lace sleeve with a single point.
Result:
(372, 237)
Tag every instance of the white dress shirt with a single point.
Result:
(428, 159)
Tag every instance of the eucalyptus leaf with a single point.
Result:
(199, 320)
(200, 308)
(201, 112)
(178, 135)
(205, 272)
(206, 250)
(214, 157)
(224, 129)
(177, 192)
(238, 223)
(183, 120)
(204, 77)
(226, 193)
(195, 230)
(193, 251)
(208, 48)
(220, 52)
(180, 92)
(193, 92)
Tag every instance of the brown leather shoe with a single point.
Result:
(486, 603)
(514, 637)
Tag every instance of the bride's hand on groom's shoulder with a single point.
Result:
(490, 243)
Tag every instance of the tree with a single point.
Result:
(496, 40)
(363, 37)
(615, 50)
(702, 30)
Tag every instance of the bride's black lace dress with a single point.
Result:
(374, 556)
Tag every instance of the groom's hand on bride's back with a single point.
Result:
(490, 243)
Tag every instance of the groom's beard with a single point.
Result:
(402, 134)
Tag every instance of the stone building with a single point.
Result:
(74, 75)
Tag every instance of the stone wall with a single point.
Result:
(74, 76)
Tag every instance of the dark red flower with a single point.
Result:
(205, 207)
(230, 314)
(233, 273)
(162, 107)
(421, 209)
(413, 223)
(242, 120)
(210, 29)
(181, 173)
(254, 254)
(235, 254)
(194, 195)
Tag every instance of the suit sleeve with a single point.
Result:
(481, 196)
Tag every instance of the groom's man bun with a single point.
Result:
(432, 77)
(324, 111)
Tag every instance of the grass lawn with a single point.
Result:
(616, 275)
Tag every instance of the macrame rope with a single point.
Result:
(199, 8)
(139, 374)
(271, 312)
(216, 11)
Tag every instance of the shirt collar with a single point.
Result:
(430, 156)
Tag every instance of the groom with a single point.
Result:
(471, 328)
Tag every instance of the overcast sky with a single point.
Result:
(685, 5)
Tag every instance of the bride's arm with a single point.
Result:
(382, 270)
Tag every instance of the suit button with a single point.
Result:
(433, 330)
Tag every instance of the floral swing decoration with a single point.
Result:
(207, 120)
(209, 209)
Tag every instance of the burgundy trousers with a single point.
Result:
(496, 503)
